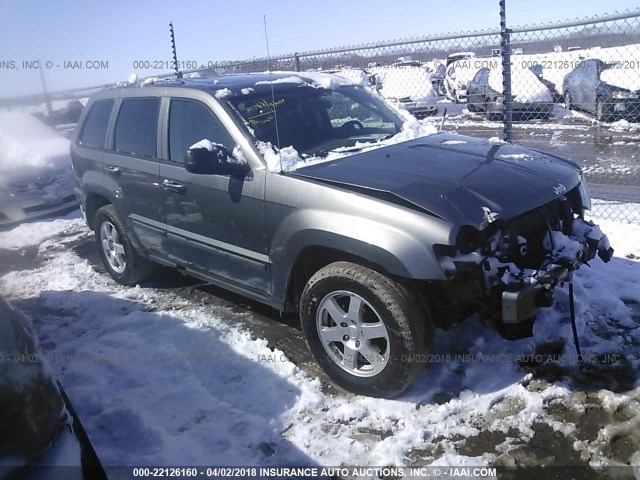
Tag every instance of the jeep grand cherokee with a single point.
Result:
(373, 247)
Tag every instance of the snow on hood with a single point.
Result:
(623, 78)
(525, 86)
(26, 144)
(288, 158)
(412, 82)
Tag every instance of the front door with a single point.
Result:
(215, 223)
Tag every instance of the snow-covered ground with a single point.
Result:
(158, 378)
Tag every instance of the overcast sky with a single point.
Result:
(121, 32)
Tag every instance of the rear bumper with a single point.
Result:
(624, 109)
(19, 207)
(38, 211)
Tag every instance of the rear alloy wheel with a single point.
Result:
(364, 329)
(120, 259)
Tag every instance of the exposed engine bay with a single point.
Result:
(510, 268)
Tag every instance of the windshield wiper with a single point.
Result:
(324, 153)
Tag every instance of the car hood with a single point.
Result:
(465, 180)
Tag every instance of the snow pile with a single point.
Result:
(237, 158)
(292, 79)
(412, 82)
(36, 233)
(525, 86)
(223, 92)
(26, 142)
(355, 75)
(327, 80)
(288, 158)
(158, 379)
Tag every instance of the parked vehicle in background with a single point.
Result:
(437, 70)
(538, 71)
(408, 86)
(458, 74)
(40, 433)
(608, 92)
(454, 57)
(372, 240)
(67, 115)
(35, 170)
(531, 98)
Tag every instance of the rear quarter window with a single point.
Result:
(137, 127)
(94, 130)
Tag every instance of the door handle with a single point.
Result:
(173, 186)
(113, 169)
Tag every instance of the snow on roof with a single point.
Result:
(223, 92)
(291, 79)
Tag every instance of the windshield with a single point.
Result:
(317, 121)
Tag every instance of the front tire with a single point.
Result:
(365, 330)
(119, 257)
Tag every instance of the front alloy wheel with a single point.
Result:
(369, 333)
(352, 331)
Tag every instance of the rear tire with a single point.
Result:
(119, 257)
(366, 331)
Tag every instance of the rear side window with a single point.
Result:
(137, 126)
(95, 126)
(191, 121)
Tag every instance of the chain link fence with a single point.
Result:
(574, 90)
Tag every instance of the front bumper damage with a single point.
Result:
(526, 292)
(513, 292)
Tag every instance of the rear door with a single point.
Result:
(132, 170)
(87, 153)
(215, 223)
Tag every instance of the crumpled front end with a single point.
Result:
(515, 264)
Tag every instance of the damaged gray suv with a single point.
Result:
(308, 193)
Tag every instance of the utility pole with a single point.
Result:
(47, 98)
(505, 43)
(173, 49)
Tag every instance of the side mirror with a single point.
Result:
(213, 160)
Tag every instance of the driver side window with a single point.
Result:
(191, 121)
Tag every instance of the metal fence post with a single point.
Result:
(507, 100)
